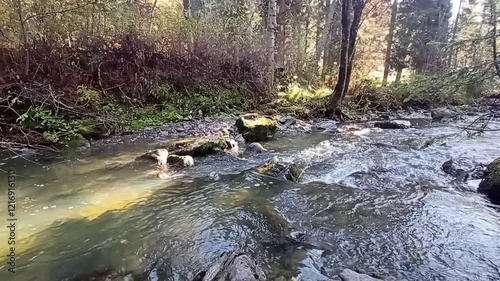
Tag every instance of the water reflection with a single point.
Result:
(371, 200)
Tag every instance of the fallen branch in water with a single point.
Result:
(485, 118)
(17, 145)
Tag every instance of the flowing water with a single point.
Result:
(371, 200)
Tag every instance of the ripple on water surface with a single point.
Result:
(372, 200)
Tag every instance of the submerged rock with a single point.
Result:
(159, 155)
(490, 185)
(464, 171)
(200, 146)
(254, 127)
(180, 160)
(349, 275)
(441, 113)
(326, 126)
(232, 266)
(276, 167)
(393, 124)
(254, 148)
(450, 168)
(105, 275)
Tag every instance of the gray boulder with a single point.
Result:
(441, 113)
(232, 266)
(287, 121)
(393, 124)
(253, 149)
(326, 126)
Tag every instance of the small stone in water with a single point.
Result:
(123, 241)
(257, 184)
(45, 207)
(53, 206)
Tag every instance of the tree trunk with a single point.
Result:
(344, 59)
(306, 28)
(282, 21)
(186, 5)
(347, 52)
(271, 42)
(496, 60)
(353, 35)
(326, 35)
(320, 25)
(390, 37)
(454, 35)
(24, 36)
(399, 73)
(251, 18)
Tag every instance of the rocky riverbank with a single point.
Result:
(286, 125)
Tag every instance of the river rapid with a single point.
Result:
(372, 200)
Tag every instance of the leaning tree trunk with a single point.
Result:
(320, 25)
(496, 60)
(353, 35)
(390, 38)
(452, 51)
(348, 49)
(186, 5)
(344, 52)
(271, 42)
(282, 21)
(325, 43)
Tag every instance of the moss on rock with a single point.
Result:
(198, 146)
(276, 167)
(490, 185)
(254, 127)
(78, 141)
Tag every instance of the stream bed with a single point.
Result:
(372, 200)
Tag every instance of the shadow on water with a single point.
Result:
(179, 230)
(370, 200)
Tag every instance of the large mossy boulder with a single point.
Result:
(490, 185)
(277, 167)
(254, 127)
(200, 146)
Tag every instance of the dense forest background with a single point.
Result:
(73, 69)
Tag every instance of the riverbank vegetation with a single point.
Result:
(83, 69)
